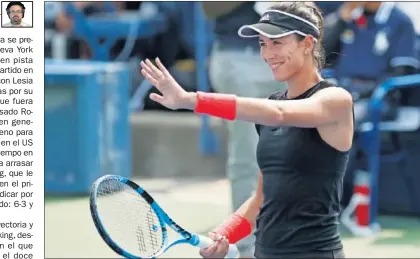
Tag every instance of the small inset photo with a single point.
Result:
(17, 14)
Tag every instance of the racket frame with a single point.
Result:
(164, 220)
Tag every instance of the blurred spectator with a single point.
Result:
(143, 48)
(180, 43)
(77, 48)
(374, 41)
(64, 22)
(182, 14)
(328, 7)
(51, 11)
(230, 73)
(166, 44)
(412, 10)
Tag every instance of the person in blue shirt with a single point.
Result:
(374, 41)
(382, 36)
(328, 7)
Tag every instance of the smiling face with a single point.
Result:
(285, 55)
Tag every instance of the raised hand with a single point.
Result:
(173, 95)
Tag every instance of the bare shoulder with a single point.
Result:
(334, 96)
(334, 93)
(339, 103)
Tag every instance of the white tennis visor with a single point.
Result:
(277, 24)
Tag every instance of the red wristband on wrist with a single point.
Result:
(218, 105)
(234, 228)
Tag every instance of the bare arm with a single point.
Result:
(327, 106)
(251, 208)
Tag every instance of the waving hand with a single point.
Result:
(173, 95)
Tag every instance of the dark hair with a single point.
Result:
(15, 3)
(310, 12)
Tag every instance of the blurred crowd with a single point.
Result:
(175, 46)
(364, 43)
(381, 39)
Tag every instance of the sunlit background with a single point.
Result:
(99, 120)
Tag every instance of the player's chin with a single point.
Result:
(281, 75)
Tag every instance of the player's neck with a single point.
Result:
(303, 80)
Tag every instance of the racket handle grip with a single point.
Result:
(205, 242)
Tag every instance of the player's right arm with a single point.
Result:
(251, 208)
(238, 226)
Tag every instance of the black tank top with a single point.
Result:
(302, 185)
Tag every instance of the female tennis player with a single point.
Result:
(305, 135)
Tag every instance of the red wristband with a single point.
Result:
(218, 105)
(234, 228)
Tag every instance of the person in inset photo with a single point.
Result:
(16, 12)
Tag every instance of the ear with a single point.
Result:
(308, 43)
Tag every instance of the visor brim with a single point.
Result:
(265, 29)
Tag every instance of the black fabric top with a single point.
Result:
(302, 185)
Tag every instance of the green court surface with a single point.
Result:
(199, 206)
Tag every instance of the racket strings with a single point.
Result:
(151, 222)
(140, 239)
(129, 219)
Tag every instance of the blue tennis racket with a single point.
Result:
(131, 222)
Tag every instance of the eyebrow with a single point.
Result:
(274, 39)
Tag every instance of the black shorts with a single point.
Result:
(334, 254)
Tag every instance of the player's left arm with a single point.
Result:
(327, 106)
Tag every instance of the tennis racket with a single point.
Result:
(132, 223)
